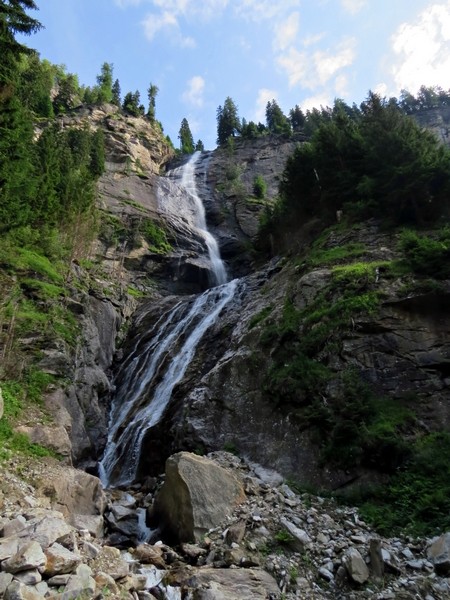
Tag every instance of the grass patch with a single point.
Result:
(260, 316)
(329, 256)
(155, 236)
(17, 395)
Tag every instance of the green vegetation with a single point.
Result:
(367, 162)
(417, 498)
(17, 396)
(156, 236)
(186, 139)
(259, 187)
(260, 316)
(427, 256)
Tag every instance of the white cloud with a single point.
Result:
(422, 50)
(264, 96)
(205, 9)
(316, 101)
(168, 23)
(353, 6)
(381, 89)
(295, 64)
(328, 63)
(286, 31)
(193, 95)
(125, 3)
(314, 69)
(312, 39)
(258, 10)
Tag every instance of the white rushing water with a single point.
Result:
(160, 358)
(165, 358)
(190, 208)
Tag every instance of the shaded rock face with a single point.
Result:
(226, 181)
(402, 350)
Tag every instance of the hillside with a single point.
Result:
(320, 367)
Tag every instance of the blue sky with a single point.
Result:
(198, 52)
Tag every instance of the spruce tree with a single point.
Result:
(228, 124)
(185, 137)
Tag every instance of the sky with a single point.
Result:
(297, 52)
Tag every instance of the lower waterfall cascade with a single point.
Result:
(158, 362)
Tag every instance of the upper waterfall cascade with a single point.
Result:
(148, 375)
(189, 207)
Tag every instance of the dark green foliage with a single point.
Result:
(17, 173)
(297, 118)
(199, 146)
(152, 92)
(68, 95)
(185, 137)
(263, 314)
(427, 256)
(251, 130)
(131, 104)
(372, 162)
(13, 20)
(417, 498)
(116, 93)
(276, 121)
(228, 124)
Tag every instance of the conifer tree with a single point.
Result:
(228, 124)
(105, 82)
(185, 137)
(116, 93)
(152, 93)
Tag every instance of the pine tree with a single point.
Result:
(16, 128)
(104, 81)
(152, 93)
(276, 121)
(185, 137)
(131, 103)
(116, 93)
(228, 124)
(13, 19)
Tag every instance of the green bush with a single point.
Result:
(425, 255)
(259, 187)
(417, 499)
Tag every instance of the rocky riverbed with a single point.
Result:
(266, 541)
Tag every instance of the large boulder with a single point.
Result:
(197, 495)
(439, 554)
(74, 492)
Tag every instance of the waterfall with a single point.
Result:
(190, 208)
(165, 359)
(148, 375)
